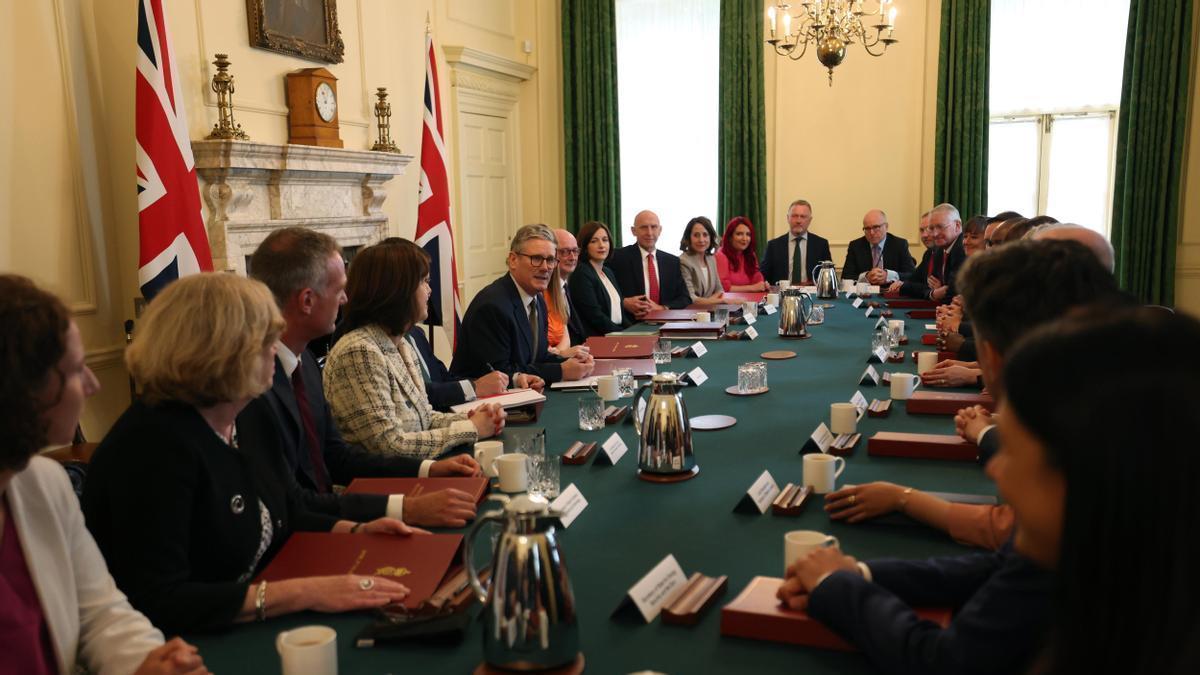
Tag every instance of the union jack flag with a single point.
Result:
(433, 209)
(173, 242)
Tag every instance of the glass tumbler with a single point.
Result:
(591, 413)
(626, 385)
(662, 352)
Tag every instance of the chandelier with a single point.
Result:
(831, 26)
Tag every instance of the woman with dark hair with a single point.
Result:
(185, 516)
(1099, 466)
(593, 285)
(59, 607)
(373, 376)
(737, 262)
(697, 263)
(973, 239)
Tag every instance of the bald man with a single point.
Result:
(877, 258)
(648, 279)
(1088, 237)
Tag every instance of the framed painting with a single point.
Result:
(304, 28)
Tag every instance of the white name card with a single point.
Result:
(697, 376)
(870, 377)
(769, 309)
(699, 349)
(860, 403)
(762, 492)
(570, 504)
(880, 354)
(820, 440)
(870, 310)
(751, 319)
(879, 323)
(614, 449)
(931, 326)
(857, 303)
(655, 590)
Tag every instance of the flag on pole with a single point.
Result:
(173, 242)
(434, 233)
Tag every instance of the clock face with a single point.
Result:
(326, 102)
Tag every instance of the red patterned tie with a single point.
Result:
(320, 473)
(652, 277)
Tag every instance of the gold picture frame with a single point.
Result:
(304, 28)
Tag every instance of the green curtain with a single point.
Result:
(742, 137)
(1150, 147)
(961, 152)
(591, 144)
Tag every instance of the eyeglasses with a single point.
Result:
(568, 252)
(539, 260)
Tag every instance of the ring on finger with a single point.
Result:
(853, 498)
(366, 584)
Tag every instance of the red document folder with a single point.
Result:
(419, 561)
(946, 403)
(756, 614)
(621, 346)
(921, 446)
(477, 487)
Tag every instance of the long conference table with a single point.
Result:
(630, 525)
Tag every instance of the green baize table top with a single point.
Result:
(630, 525)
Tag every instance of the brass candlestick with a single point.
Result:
(222, 84)
(383, 118)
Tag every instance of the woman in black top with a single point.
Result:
(184, 517)
(594, 290)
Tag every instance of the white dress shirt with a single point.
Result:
(614, 298)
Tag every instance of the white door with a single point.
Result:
(489, 199)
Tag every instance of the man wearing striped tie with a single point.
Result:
(877, 258)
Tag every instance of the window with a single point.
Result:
(667, 70)
(1055, 87)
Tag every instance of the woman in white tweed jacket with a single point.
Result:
(375, 379)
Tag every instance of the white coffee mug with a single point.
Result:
(513, 470)
(486, 453)
(926, 361)
(784, 284)
(821, 471)
(773, 299)
(750, 309)
(843, 418)
(309, 650)
(896, 325)
(607, 387)
(903, 386)
(702, 316)
(799, 543)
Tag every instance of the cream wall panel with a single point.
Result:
(863, 143)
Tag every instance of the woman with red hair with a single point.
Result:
(737, 262)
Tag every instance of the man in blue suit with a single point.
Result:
(793, 256)
(442, 388)
(649, 280)
(504, 328)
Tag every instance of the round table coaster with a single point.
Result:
(734, 391)
(572, 668)
(778, 355)
(668, 477)
(712, 422)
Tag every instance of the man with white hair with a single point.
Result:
(945, 224)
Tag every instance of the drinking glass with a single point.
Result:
(544, 478)
(760, 374)
(591, 413)
(878, 339)
(721, 315)
(746, 375)
(662, 352)
(817, 315)
(625, 382)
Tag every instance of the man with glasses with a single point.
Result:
(945, 224)
(649, 280)
(504, 328)
(568, 260)
(877, 258)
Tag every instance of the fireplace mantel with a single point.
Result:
(252, 188)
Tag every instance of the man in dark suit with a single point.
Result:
(442, 388)
(306, 274)
(793, 256)
(914, 285)
(568, 260)
(945, 224)
(649, 280)
(504, 328)
(877, 257)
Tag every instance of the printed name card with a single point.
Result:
(751, 332)
(758, 498)
(870, 311)
(879, 323)
(860, 403)
(879, 355)
(870, 377)
(931, 326)
(569, 504)
(769, 309)
(698, 348)
(820, 440)
(613, 450)
(857, 303)
(750, 319)
(697, 376)
(658, 588)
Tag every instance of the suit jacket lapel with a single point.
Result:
(281, 385)
(521, 316)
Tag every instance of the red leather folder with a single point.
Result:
(477, 487)
(419, 561)
(946, 403)
(665, 315)
(756, 614)
(922, 314)
(622, 346)
(640, 367)
(910, 303)
(921, 446)
(686, 329)
(745, 297)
